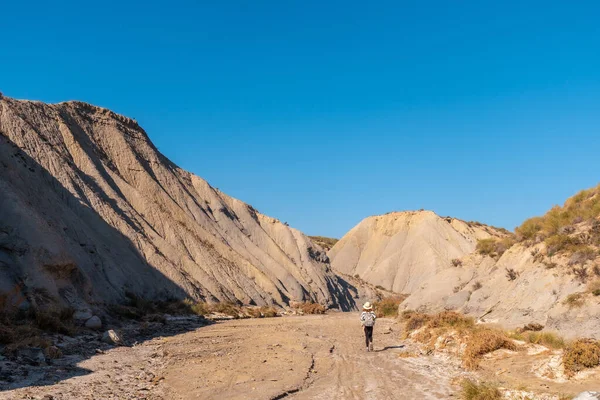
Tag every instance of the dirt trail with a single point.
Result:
(311, 357)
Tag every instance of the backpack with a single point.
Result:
(369, 319)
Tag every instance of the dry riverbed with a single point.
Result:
(293, 357)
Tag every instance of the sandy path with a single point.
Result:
(311, 357)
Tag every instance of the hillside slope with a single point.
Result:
(400, 250)
(90, 210)
(551, 277)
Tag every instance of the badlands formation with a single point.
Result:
(401, 250)
(548, 273)
(91, 211)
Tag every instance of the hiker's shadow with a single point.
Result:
(391, 347)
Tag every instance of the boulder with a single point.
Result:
(112, 337)
(93, 323)
(82, 315)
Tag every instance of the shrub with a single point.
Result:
(483, 341)
(471, 390)
(450, 319)
(268, 312)
(511, 274)
(529, 229)
(558, 221)
(414, 320)
(581, 273)
(533, 326)
(581, 354)
(312, 308)
(479, 340)
(550, 264)
(583, 255)
(227, 308)
(558, 243)
(457, 262)
(388, 307)
(494, 247)
(548, 339)
(574, 300)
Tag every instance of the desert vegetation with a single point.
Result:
(325, 242)
(479, 340)
(141, 309)
(581, 354)
(494, 247)
(558, 223)
(388, 307)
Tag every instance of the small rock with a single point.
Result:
(82, 315)
(112, 337)
(93, 323)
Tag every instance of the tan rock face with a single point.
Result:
(89, 209)
(401, 250)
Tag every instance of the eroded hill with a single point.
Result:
(549, 276)
(401, 250)
(90, 211)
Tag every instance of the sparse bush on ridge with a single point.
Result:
(494, 247)
(558, 223)
(324, 242)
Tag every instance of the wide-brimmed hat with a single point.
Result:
(367, 306)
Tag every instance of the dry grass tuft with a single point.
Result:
(547, 339)
(574, 300)
(479, 391)
(581, 354)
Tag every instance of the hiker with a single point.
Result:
(367, 320)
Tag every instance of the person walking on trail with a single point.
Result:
(367, 320)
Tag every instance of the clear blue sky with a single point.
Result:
(321, 113)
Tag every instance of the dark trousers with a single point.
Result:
(368, 335)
